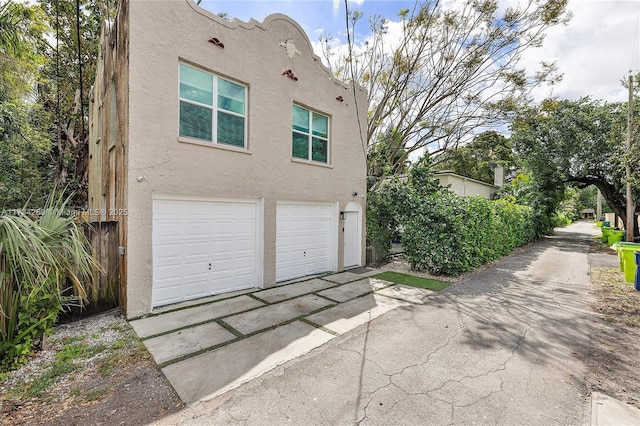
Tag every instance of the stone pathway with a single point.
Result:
(209, 346)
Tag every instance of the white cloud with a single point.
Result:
(594, 52)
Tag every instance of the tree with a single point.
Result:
(456, 68)
(24, 146)
(478, 158)
(68, 76)
(576, 142)
(387, 158)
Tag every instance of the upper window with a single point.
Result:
(212, 108)
(310, 135)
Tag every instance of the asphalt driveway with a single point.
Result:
(506, 347)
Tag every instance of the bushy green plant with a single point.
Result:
(445, 233)
(382, 222)
(45, 262)
(449, 235)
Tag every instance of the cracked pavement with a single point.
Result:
(506, 347)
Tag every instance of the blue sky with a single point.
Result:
(594, 52)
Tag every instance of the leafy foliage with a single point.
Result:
(66, 98)
(45, 264)
(442, 232)
(24, 146)
(478, 158)
(578, 143)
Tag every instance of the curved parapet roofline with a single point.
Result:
(236, 23)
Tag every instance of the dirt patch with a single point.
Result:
(93, 371)
(614, 365)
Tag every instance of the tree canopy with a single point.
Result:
(24, 146)
(578, 143)
(478, 158)
(455, 69)
(48, 52)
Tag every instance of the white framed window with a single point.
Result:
(310, 135)
(212, 108)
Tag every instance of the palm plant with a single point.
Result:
(45, 264)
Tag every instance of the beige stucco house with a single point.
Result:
(465, 186)
(226, 152)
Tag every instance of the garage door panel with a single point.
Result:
(167, 276)
(303, 239)
(196, 230)
(196, 288)
(168, 229)
(166, 251)
(196, 248)
(170, 295)
(191, 235)
(195, 266)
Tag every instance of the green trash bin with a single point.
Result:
(615, 236)
(618, 248)
(605, 233)
(606, 223)
(628, 259)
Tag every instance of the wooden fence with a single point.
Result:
(104, 242)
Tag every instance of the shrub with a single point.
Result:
(445, 233)
(45, 262)
(449, 235)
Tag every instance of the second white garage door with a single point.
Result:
(204, 247)
(305, 244)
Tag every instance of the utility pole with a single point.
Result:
(630, 205)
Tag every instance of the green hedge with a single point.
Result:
(445, 233)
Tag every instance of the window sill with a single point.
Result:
(182, 139)
(311, 163)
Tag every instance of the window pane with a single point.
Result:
(319, 150)
(230, 96)
(300, 119)
(196, 85)
(300, 146)
(195, 121)
(230, 129)
(320, 125)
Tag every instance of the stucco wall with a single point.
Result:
(466, 187)
(165, 32)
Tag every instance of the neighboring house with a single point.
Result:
(226, 152)
(588, 214)
(462, 185)
(466, 186)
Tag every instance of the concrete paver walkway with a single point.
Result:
(507, 347)
(210, 346)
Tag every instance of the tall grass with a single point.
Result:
(45, 264)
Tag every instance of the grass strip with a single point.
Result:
(413, 281)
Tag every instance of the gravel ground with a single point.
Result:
(92, 371)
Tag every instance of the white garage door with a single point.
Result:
(304, 243)
(201, 248)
